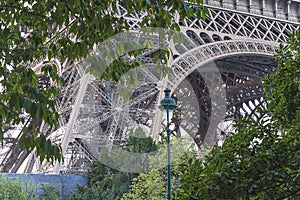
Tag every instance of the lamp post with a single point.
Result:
(168, 105)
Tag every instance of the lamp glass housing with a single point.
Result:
(167, 105)
(165, 116)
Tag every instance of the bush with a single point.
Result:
(14, 190)
(50, 192)
(90, 193)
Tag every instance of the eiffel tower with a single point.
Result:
(239, 37)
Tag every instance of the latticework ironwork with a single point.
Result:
(238, 37)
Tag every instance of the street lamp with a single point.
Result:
(168, 105)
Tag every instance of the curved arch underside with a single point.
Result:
(240, 77)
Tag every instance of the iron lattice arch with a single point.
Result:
(240, 76)
(238, 38)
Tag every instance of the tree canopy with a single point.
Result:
(36, 33)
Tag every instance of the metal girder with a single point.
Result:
(191, 60)
(243, 92)
(239, 38)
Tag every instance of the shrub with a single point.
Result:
(50, 192)
(11, 189)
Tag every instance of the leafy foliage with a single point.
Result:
(14, 190)
(137, 142)
(111, 183)
(50, 192)
(283, 87)
(153, 184)
(260, 161)
(94, 192)
(65, 31)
